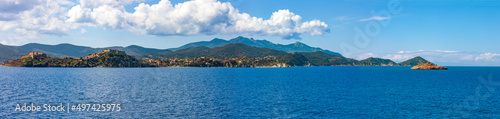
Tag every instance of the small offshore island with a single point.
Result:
(429, 66)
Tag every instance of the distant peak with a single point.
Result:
(236, 45)
(299, 44)
(218, 39)
(241, 38)
(133, 46)
(66, 44)
(32, 44)
(418, 57)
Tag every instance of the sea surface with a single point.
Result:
(297, 92)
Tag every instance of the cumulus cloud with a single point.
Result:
(194, 17)
(31, 17)
(375, 18)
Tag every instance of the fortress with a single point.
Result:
(36, 55)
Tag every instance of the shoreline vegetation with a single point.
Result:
(231, 55)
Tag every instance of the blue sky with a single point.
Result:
(448, 32)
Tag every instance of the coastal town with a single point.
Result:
(212, 62)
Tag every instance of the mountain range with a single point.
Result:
(296, 54)
(69, 50)
(224, 52)
(239, 50)
(294, 47)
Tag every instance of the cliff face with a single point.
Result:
(429, 66)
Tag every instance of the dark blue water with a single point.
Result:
(299, 92)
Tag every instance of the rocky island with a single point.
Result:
(429, 66)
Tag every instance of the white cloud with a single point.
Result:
(5, 25)
(447, 51)
(375, 18)
(398, 57)
(13, 39)
(4, 42)
(97, 3)
(83, 31)
(400, 52)
(488, 57)
(79, 14)
(194, 17)
(365, 55)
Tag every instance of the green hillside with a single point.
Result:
(379, 62)
(11, 52)
(224, 52)
(413, 61)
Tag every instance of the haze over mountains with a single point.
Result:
(296, 54)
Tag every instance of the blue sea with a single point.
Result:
(297, 92)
